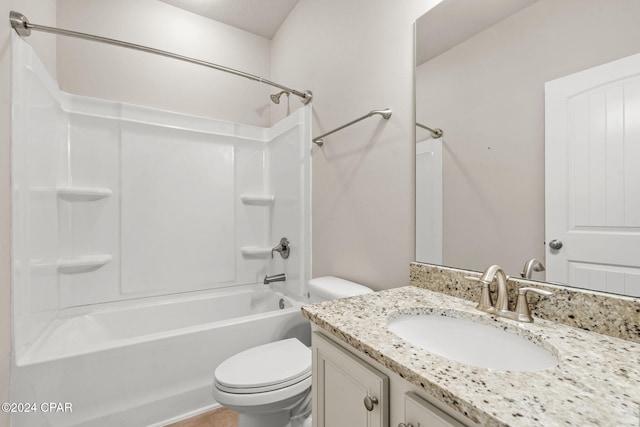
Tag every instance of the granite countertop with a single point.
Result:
(596, 383)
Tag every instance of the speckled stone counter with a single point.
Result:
(596, 383)
(613, 315)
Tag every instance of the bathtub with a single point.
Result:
(146, 363)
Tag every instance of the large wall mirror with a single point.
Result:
(481, 69)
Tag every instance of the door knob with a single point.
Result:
(370, 402)
(555, 244)
(405, 425)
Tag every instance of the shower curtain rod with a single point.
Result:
(23, 27)
(435, 133)
(386, 113)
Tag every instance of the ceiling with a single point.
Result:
(435, 33)
(255, 16)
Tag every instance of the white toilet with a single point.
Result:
(270, 385)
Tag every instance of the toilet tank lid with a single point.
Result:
(330, 287)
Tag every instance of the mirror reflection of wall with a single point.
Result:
(487, 94)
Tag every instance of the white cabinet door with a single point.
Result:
(341, 384)
(420, 413)
(592, 172)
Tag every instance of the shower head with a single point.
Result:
(275, 98)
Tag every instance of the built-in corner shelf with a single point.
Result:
(255, 252)
(82, 264)
(258, 199)
(83, 194)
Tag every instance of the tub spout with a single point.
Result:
(275, 278)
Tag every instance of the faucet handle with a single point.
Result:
(283, 248)
(522, 307)
(485, 304)
(531, 266)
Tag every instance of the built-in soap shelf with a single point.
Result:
(258, 199)
(82, 264)
(83, 194)
(255, 252)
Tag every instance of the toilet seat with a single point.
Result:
(265, 368)
(257, 402)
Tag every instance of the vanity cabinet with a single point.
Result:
(345, 386)
(347, 392)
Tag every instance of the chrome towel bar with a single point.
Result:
(23, 27)
(386, 113)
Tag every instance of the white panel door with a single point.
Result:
(592, 187)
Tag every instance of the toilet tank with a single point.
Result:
(329, 288)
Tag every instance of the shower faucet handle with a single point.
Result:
(283, 248)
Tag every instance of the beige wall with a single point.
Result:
(357, 56)
(119, 74)
(38, 11)
(488, 96)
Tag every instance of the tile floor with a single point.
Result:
(221, 417)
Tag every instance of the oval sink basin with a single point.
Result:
(472, 343)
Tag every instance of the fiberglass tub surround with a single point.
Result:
(137, 234)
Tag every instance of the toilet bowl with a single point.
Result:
(270, 385)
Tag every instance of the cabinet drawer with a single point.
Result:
(420, 413)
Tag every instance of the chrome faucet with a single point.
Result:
(531, 266)
(275, 278)
(501, 307)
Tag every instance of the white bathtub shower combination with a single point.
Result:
(134, 364)
(140, 240)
